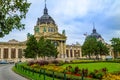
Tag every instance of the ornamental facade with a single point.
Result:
(46, 27)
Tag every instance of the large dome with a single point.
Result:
(45, 19)
(95, 34)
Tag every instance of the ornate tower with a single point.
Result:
(47, 28)
(96, 35)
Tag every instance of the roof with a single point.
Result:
(45, 18)
(95, 34)
(13, 41)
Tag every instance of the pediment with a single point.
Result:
(13, 41)
(56, 35)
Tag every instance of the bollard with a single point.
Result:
(53, 75)
(33, 71)
(40, 73)
(82, 78)
(44, 74)
(64, 76)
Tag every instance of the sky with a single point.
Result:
(76, 17)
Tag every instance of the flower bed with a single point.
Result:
(98, 74)
(51, 66)
(111, 77)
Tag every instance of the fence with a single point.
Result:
(43, 72)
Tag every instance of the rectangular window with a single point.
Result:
(5, 53)
(19, 53)
(0, 53)
(67, 53)
(13, 53)
(71, 55)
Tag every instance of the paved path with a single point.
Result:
(7, 74)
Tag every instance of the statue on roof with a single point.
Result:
(63, 32)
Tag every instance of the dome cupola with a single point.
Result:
(45, 18)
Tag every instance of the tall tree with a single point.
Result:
(88, 48)
(51, 49)
(11, 14)
(46, 48)
(41, 47)
(92, 46)
(116, 46)
(101, 49)
(31, 50)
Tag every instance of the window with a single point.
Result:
(71, 53)
(67, 53)
(0, 53)
(19, 53)
(5, 54)
(36, 29)
(51, 29)
(13, 53)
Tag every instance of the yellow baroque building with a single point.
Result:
(46, 27)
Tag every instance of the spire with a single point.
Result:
(94, 30)
(45, 9)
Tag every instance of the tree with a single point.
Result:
(51, 49)
(41, 47)
(115, 43)
(92, 46)
(89, 46)
(101, 49)
(11, 14)
(46, 48)
(31, 50)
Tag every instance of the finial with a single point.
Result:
(63, 32)
(93, 25)
(45, 9)
(94, 30)
(45, 3)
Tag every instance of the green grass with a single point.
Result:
(30, 75)
(91, 66)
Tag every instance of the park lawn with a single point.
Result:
(92, 66)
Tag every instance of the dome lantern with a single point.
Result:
(45, 18)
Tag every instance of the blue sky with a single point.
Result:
(76, 17)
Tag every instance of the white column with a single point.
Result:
(16, 53)
(2, 53)
(73, 52)
(80, 53)
(64, 49)
(9, 53)
(61, 49)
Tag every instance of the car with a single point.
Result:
(3, 62)
(11, 62)
(108, 58)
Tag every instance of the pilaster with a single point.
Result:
(9, 53)
(1, 53)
